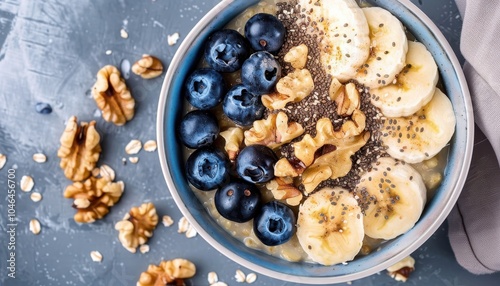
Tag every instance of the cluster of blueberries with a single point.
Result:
(208, 168)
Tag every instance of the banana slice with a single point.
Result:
(393, 197)
(412, 88)
(330, 226)
(387, 51)
(419, 137)
(345, 46)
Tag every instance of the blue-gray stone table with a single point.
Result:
(50, 51)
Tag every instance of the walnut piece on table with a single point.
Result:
(401, 270)
(112, 96)
(167, 272)
(79, 150)
(148, 67)
(93, 198)
(137, 226)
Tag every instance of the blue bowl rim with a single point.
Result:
(455, 176)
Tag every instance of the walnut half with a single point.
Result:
(148, 67)
(137, 226)
(79, 150)
(93, 198)
(167, 272)
(273, 131)
(112, 96)
(283, 189)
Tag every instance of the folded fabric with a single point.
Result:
(474, 223)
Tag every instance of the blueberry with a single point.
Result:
(198, 128)
(260, 73)
(204, 88)
(238, 201)
(265, 32)
(274, 224)
(43, 108)
(242, 106)
(207, 168)
(226, 50)
(255, 163)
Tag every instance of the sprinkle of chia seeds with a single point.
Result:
(381, 25)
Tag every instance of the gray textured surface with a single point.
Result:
(50, 51)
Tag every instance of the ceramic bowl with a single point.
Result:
(171, 105)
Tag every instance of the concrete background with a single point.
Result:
(50, 51)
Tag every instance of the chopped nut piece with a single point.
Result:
(35, 226)
(212, 278)
(3, 160)
(347, 99)
(167, 272)
(297, 56)
(273, 131)
(144, 248)
(284, 168)
(96, 256)
(27, 183)
(112, 96)
(39, 158)
(133, 147)
(150, 146)
(36, 197)
(148, 67)
(283, 189)
(123, 33)
(233, 137)
(240, 276)
(167, 221)
(172, 39)
(251, 277)
(401, 270)
(133, 160)
(138, 228)
(107, 172)
(294, 87)
(79, 149)
(93, 198)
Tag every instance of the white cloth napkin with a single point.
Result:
(474, 223)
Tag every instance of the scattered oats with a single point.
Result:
(36, 197)
(96, 256)
(39, 158)
(212, 278)
(191, 232)
(150, 146)
(109, 52)
(123, 33)
(240, 276)
(172, 39)
(133, 160)
(133, 147)
(144, 248)
(219, 283)
(349, 282)
(107, 172)
(251, 278)
(124, 161)
(27, 183)
(167, 221)
(3, 160)
(35, 226)
(183, 225)
(96, 172)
